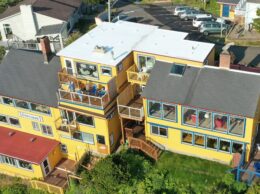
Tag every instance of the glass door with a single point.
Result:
(46, 167)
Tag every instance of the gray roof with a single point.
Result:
(23, 75)
(253, 1)
(207, 88)
(60, 9)
(51, 29)
(229, 1)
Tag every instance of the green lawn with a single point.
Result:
(191, 170)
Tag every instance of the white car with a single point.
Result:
(199, 19)
(180, 9)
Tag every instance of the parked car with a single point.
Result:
(199, 19)
(212, 28)
(124, 17)
(189, 14)
(180, 9)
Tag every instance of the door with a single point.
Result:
(69, 66)
(225, 10)
(46, 167)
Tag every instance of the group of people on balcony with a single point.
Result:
(87, 90)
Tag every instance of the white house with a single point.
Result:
(32, 19)
(250, 14)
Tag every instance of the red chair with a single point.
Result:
(193, 118)
(218, 123)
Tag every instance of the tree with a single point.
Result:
(256, 23)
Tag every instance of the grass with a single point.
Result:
(211, 7)
(191, 170)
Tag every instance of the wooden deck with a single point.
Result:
(133, 110)
(58, 176)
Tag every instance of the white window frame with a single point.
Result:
(72, 64)
(107, 68)
(36, 124)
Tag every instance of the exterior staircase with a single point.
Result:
(145, 146)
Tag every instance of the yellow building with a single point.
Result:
(202, 111)
(227, 8)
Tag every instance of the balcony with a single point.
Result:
(130, 104)
(136, 77)
(65, 126)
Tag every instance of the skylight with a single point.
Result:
(178, 69)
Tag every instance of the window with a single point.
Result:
(69, 66)
(177, 69)
(106, 71)
(25, 165)
(199, 140)
(120, 67)
(14, 121)
(224, 145)
(21, 104)
(146, 63)
(8, 31)
(47, 130)
(8, 160)
(87, 70)
(3, 119)
(63, 148)
(187, 137)
(189, 116)
(77, 135)
(237, 147)
(84, 119)
(236, 125)
(212, 143)
(101, 139)
(155, 109)
(35, 126)
(8, 101)
(169, 112)
(220, 122)
(158, 130)
(111, 139)
(205, 120)
(40, 108)
(87, 138)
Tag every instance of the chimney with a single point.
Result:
(28, 22)
(224, 59)
(46, 49)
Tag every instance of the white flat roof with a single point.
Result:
(121, 38)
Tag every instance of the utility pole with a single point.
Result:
(109, 11)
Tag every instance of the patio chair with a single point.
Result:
(93, 90)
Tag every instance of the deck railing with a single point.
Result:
(125, 108)
(46, 187)
(134, 76)
(67, 127)
(143, 146)
(84, 99)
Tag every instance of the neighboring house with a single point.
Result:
(240, 11)
(31, 19)
(227, 8)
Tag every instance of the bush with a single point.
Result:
(2, 52)
(74, 36)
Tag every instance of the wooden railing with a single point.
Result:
(89, 100)
(125, 109)
(64, 78)
(134, 76)
(144, 146)
(46, 187)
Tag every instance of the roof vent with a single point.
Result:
(33, 139)
(11, 133)
(100, 49)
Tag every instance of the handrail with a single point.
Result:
(90, 100)
(136, 77)
(161, 146)
(46, 186)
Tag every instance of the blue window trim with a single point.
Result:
(156, 125)
(212, 121)
(162, 112)
(199, 134)
(213, 137)
(182, 116)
